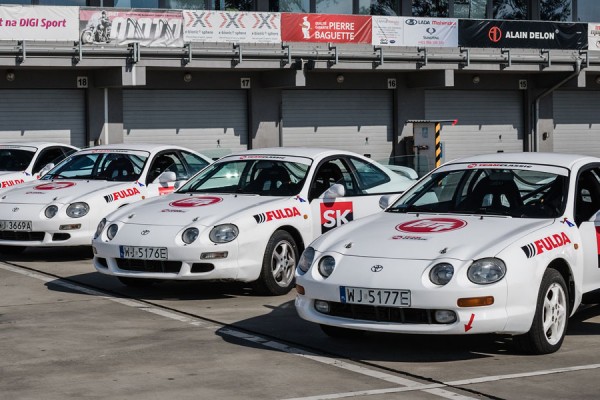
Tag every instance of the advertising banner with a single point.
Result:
(39, 23)
(594, 36)
(231, 27)
(387, 31)
(325, 28)
(431, 32)
(148, 28)
(521, 34)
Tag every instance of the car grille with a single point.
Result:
(22, 236)
(171, 267)
(382, 314)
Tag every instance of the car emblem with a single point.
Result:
(15, 209)
(376, 268)
(145, 232)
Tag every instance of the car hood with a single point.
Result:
(67, 191)
(11, 178)
(427, 236)
(202, 209)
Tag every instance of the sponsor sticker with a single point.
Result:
(12, 182)
(546, 244)
(54, 185)
(165, 190)
(276, 214)
(432, 225)
(335, 214)
(121, 194)
(497, 165)
(196, 201)
(408, 237)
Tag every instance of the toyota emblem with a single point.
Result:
(376, 268)
(145, 232)
(15, 209)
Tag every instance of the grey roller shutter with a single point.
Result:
(43, 115)
(213, 122)
(488, 122)
(354, 120)
(577, 122)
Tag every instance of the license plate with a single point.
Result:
(143, 252)
(23, 226)
(375, 297)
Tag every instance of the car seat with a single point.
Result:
(160, 165)
(326, 176)
(496, 192)
(272, 180)
(120, 169)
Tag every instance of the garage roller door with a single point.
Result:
(577, 122)
(488, 122)
(43, 115)
(354, 120)
(213, 122)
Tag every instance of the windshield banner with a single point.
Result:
(39, 23)
(231, 27)
(325, 28)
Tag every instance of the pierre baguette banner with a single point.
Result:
(231, 27)
(594, 36)
(325, 28)
(39, 23)
(420, 32)
(521, 34)
(148, 28)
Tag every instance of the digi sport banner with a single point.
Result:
(39, 23)
(148, 28)
(231, 27)
(325, 28)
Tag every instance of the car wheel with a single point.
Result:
(12, 249)
(551, 316)
(136, 282)
(341, 333)
(278, 266)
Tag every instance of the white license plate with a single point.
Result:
(375, 297)
(23, 226)
(143, 252)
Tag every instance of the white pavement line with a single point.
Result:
(409, 385)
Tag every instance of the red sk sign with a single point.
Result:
(54, 185)
(495, 34)
(196, 201)
(432, 225)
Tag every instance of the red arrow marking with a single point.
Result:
(468, 326)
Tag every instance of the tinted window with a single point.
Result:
(15, 159)
(368, 174)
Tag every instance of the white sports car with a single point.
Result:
(501, 243)
(247, 217)
(22, 162)
(65, 206)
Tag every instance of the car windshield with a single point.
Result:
(522, 192)
(123, 166)
(284, 176)
(15, 159)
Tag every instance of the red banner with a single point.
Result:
(325, 28)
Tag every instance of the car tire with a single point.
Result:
(341, 333)
(12, 249)
(278, 265)
(136, 282)
(551, 317)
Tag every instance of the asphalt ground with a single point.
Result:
(67, 332)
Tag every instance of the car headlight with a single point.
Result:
(224, 233)
(306, 260)
(190, 235)
(486, 271)
(112, 231)
(77, 210)
(441, 273)
(100, 228)
(326, 266)
(50, 211)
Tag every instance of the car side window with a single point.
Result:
(165, 162)
(49, 155)
(369, 176)
(194, 162)
(587, 195)
(329, 173)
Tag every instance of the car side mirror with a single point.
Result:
(386, 200)
(46, 169)
(334, 192)
(167, 177)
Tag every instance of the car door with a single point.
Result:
(165, 161)
(360, 181)
(54, 154)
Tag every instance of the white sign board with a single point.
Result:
(231, 27)
(594, 36)
(417, 32)
(39, 23)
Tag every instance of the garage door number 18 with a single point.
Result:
(82, 82)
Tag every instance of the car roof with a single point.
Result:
(149, 147)
(310, 152)
(36, 144)
(556, 159)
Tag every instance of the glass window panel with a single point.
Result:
(510, 9)
(588, 11)
(378, 7)
(556, 10)
(430, 8)
(136, 4)
(235, 5)
(185, 4)
(334, 7)
(16, 2)
(299, 6)
(470, 9)
(60, 2)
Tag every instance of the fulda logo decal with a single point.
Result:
(546, 244)
(54, 185)
(432, 225)
(276, 214)
(12, 182)
(335, 214)
(121, 194)
(196, 201)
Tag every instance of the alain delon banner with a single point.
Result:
(325, 28)
(39, 23)
(522, 34)
(231, 27)
(594, 36)
(148, 28)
